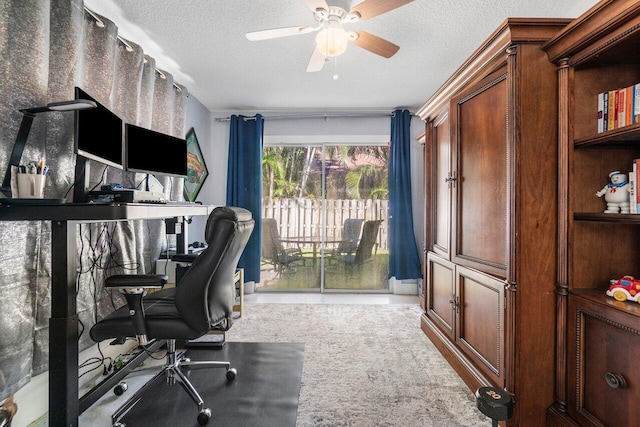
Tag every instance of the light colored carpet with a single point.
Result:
(364, 365)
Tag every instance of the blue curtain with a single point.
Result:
(244, 183)
(404, 262)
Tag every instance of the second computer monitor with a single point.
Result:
(98, 133)
(152, 152)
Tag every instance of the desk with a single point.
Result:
(63, 324)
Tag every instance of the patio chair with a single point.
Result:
(350, 236)
(365, 248)
(274, 252)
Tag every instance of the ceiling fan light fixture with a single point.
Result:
(332, 41)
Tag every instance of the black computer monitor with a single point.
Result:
(152, 152)
(98, 133)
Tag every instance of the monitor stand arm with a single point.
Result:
(81, 179)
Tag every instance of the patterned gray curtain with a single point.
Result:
(47, 48)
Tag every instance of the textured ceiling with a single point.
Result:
(202, 43)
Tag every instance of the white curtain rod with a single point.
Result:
(313, 116)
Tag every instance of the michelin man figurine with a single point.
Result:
(616, 193)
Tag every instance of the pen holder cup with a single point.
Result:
(31, 185)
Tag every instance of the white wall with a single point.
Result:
(215, 151)
(213, 191)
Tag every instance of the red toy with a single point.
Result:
(624, 289)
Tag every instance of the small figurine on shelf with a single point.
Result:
(616, 193)
(625, 288)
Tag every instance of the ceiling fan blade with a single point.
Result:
(279, 32)
(316, 62)
(371, 8)
(375, 44)
(317, 4)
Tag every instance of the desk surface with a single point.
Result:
(90, 212)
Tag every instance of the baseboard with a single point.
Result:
(403, 287)
(249, 287)
(33, 398)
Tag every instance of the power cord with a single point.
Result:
(102, 179)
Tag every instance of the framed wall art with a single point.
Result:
(196, 168)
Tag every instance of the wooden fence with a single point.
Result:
(303, 217)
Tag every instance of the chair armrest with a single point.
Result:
(136, 283)
(134, 287)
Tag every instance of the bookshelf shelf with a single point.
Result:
(603, 217)
(599, 297)
(626, 135)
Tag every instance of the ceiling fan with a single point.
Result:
(332, 40)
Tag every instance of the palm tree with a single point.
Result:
(272, 165)
(359, 170)
(367, 169)
(282, 170)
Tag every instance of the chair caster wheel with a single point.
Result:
(120, 388)
(231, 374)
(203, 416)
(119, 425)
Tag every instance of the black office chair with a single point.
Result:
(203, 301)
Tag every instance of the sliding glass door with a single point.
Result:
(291, 212)
(324, 218)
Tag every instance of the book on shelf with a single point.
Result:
(628, 105)
(636, 103)
(633, 206)
(605, 112)
(618, 108)
(613, 110)
(636, 200)
(634, 194)
(601, 113)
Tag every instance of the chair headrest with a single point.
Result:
(231, 213)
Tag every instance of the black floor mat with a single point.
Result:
(264, 393)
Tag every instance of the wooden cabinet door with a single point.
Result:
(605, 346)
(480, 327)
(442, 182)
(480, 209)
(440, 297)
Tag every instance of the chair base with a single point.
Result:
(172, 372)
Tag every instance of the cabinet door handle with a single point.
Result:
(615, 380)
(455, 303)
(451, 179)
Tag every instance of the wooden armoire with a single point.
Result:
(491, 158)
